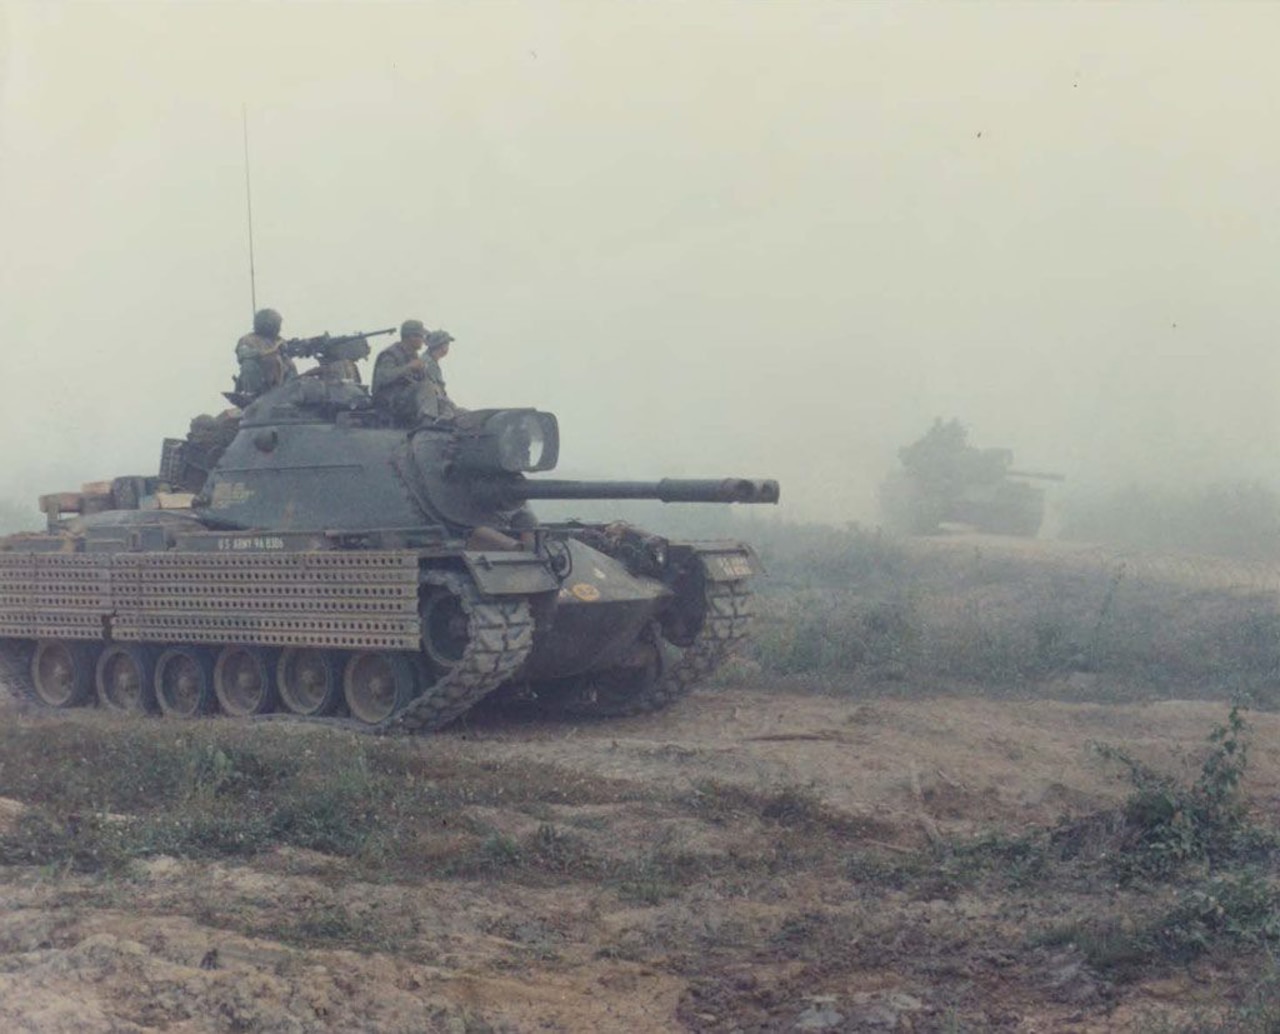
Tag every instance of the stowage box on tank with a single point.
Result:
(323, 562)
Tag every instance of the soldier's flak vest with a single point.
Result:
(395, 389)
(433, 400)
(262, 365)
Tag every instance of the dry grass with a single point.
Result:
(1077, 629)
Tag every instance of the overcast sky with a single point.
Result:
(756, 239)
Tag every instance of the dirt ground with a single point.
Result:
(187, 946)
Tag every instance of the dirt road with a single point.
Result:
(760, 931)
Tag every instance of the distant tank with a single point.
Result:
(944, 480)
(307, 557)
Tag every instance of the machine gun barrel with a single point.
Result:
(668, 490)
(309, 347)
(1036, 475)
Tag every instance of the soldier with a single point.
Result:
(409, 387)
(263, 365)
(438, 342)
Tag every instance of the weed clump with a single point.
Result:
(1194, 846)
(1169, 824)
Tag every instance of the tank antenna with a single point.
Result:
(248, 200)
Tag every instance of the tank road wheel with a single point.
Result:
(307, 681)
(242, 681)
(184, 682)
(62, 673)
(446, 627)
(377, 685)
(123, 679)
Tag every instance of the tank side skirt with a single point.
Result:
(54, 595)
(352, 600)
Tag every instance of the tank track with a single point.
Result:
(15, 673)
(501, 636)
(728, 620)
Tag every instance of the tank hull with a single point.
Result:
(312, 555)
(416, 636)
(909, 506)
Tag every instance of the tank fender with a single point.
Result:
(509, 574)
(724, 561)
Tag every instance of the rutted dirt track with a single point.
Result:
(187, 946)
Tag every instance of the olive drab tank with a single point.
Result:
(944, 480)
(310, 558)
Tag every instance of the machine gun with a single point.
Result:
(325, 347)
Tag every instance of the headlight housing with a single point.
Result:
(507, 441)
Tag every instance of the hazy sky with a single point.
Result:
(757, 239)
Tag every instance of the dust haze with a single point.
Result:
(770, 240)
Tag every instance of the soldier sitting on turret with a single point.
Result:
(263, 364)
(438, 342)
(410, 387)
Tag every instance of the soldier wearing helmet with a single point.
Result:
(407, 385)
(263, 365)
(438, 342)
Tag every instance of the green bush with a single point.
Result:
(1170, 824)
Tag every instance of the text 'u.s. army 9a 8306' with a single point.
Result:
(310, 558)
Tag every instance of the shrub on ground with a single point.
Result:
(1170, 824)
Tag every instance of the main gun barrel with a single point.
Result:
(668, 490)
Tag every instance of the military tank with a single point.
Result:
(945, 480)
(306, 557)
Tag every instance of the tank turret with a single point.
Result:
(308, 556)
(452, 475)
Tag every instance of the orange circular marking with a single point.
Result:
(586, 592)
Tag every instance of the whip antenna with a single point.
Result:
(248, 200)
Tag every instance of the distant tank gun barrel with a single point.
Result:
(1036, 475)
(667, 490)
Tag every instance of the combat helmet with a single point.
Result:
(267, 322)
(437, 339)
